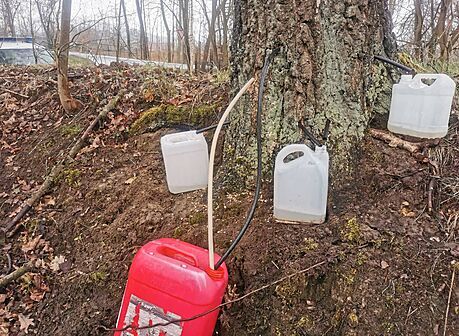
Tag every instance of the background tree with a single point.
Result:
(323, 70)
(143, 35)
(68, 103)
(10, 9)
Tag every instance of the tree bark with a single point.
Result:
(441, 30)
(323, 71)
(68, 103)
(168, 32)
(126, 23)
(9, 9)
(418, 28)
(143, 36)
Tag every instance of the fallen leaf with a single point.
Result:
(37, 296)
(384, 264)
(31, 245)
(129, 181)
(49, 200)
(25, 322)
(407, 213)
(54, 265)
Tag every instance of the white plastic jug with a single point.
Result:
(186, 158)
(301, 185)
(421, 110)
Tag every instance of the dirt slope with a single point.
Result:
(388, 260)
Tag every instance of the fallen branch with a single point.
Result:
(15, 93)
(395, 141)
(432, 184)
(57, 169)
(16, 274)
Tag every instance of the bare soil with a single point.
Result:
(388, 260)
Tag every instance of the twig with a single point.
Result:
(15, 93)
(10, 263)
(163, 324)
(412, 147)
(429, 195)
(449, 298)
(394, 141)
(57, 169)
(16, 274)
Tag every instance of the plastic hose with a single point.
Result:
(252, 209)
(210, 224)
(211, 127)
(402, 67)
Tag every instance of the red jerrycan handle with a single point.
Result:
(178, 255)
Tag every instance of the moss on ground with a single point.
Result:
(164, 115)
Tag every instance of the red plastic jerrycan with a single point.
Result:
(170, 280)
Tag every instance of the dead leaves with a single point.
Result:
(25, 322)
(55, 264)
(405, 210)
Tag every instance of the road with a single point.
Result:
(102, 59)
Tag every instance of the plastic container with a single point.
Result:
(168, 280)
(186, 158)
(301, 185)
(421, 110)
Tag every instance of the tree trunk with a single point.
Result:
(9, 13)
(126, 23)
(168, 32)
(118, 31)
(225, 21)
(323, 71)
(441, 31)
(68, 103)
(418, 28)
(143, 36)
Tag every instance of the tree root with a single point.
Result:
(58, 168)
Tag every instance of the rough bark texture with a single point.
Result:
(68, 103)
(323, 70)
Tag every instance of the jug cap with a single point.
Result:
(215, 274)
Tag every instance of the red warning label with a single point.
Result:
(142, 313)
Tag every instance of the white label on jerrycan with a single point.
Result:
(421, 105)
(301, 184)
(186, 159)
(142, 313)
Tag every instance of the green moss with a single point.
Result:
(178, 232)
(305, 322)
(222, 76)
(197, 218)
(351, 231)
(70, 130)
(72, 177)
(353, 319)
(98, 276)
(361, 259)
(309, 245)
(172, 115)
(349, 278)
(145, 119)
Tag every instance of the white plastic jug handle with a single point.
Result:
(419, 77)
(290, 149)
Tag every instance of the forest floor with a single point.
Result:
(388, 260)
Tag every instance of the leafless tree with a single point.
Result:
(68, 103)
(9, 10)
(143, 34)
